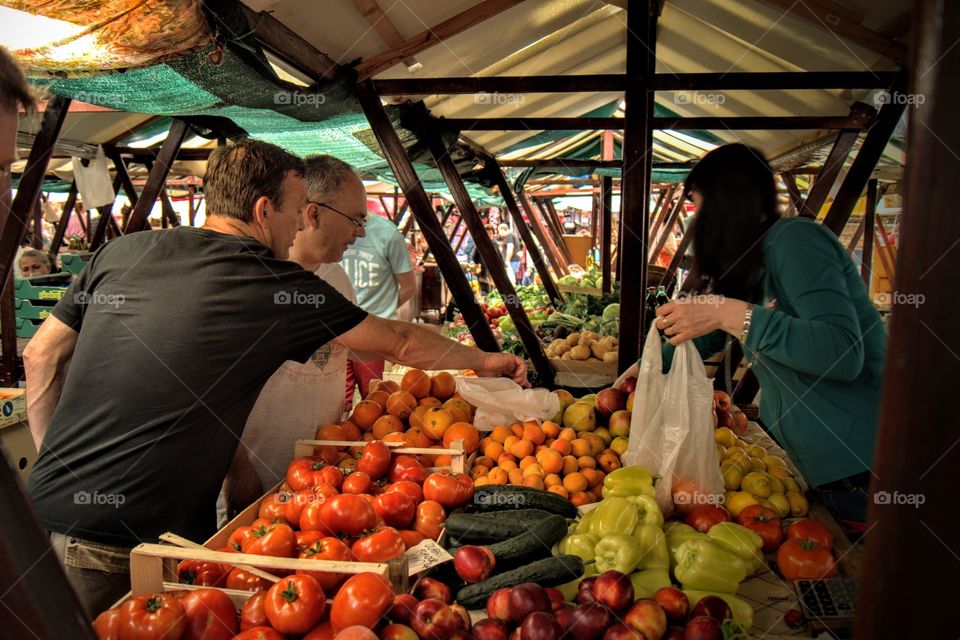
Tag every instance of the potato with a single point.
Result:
(580, 352)
(608, 342)
(586, 340)
(591, 334)
(565, 356)
(573, 338)
(562, 348)
(598, 349)
(610, 357)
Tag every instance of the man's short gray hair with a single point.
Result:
(325, 175)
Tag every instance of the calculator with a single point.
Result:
(828, 605)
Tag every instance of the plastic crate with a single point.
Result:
(26, 328)
(74, 262)
(42, 288)
(30, 310)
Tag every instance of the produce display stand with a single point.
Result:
(458, 457)
(584, 373)
(589, 291)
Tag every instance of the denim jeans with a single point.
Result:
(99, 573)
(847, 499)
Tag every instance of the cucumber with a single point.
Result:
(534, 543)
(548, 572)
(491, 527)
(501, 497)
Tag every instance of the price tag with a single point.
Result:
(425, 555)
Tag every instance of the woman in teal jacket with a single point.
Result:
(790, 293)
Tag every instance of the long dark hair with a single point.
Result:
(739, 206)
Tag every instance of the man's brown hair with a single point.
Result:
(239, 174)
(15, 92)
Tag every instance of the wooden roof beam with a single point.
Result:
(384, 27)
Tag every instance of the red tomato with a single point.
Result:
(260, 633)
(412, 489)
(275, 539)
(803, 559)
(295, 604)
(406, 467)
(411, 538)
(374, 460)
(107, 625)
(272, 507)
(704, 516)
(328, 548)
(754, 512)
(210, 615)
(430, 519)
(304, 473)
(765, 523)
(812, 530)
(310, 519)
(362, 600)
(252, 614)
(308, 538)
(396, 509)
(206, 574)
(385, 544)
(357, 482)
(152, 617)
(347, 514)
(323, 631)
(246, 581)
(446, 489)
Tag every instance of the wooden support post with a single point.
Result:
(121, 170)
(555, 217)
(915, 468)
(825, 180)
(671, 222)
(563, 253)
(658, 216)
(674, 265)
(559, 267)
(887, 255)
(606, 233)
(168, 215)
(491, 259)
(869, 217)
(158, 175)
(864, 164)
(36, 238)
(796, 200)
(511, 203)
(15, 215)
(595, 215)
(855, 239)
(642, 18)
(105, 213)
(191, 211)
(64, 221)
(422, 208)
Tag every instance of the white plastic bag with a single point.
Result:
(503, 401)
(94, 182)
(671, 430)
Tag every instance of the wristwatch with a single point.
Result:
(747, 317)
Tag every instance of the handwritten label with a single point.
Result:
(425, 555)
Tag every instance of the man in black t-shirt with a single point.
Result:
(169, 336)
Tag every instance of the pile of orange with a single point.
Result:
(546, 456)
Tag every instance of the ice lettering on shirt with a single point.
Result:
(367, 275)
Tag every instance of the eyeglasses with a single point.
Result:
(361, 225)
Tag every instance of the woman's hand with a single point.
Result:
(691, 317)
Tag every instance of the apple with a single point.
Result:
(434, 620)
(540, 625)
(674, 633)
(739, 422)
(585, 592)
(702, 628)
(630, 398)
(498, 605)
(713, 607)
(724, 418)
(464, 615)
(580, 416)
(525, 598)
(722, 400)
(402, 609)
(473, 563)
(628, 384)
(556, 598)
(355, 632)
(620, 444)
(490, 629)
(516, 634)
(619, 423)
(589, 621)
(610, 400)
(648, 618)
(621, 631)
(398, 632)
(604, 434)
(429, 588)
(674, 602)
(563, 616)
(615, 590)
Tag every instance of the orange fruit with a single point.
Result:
(506, 457)
(517, 429)
(396, 436)
(592, 476)
(500, 434)
(352, 431)
(550, 429)
(534, 470)
(527, 461)
(401, 404)
(430, 401)
(563, 446)
(533, 432)
(515, 476)
(462, 431)
(436, 421)
(508, 465)
(552, 479)
(479, 470)
(486, 461)
(459, 408)
(609, 462)
(416, 418)
(417, 437)
(570, 465)
(567, 434)
(580, 498)
(416, 382)
(552, 461)
(580, 447)
(534, 482)
(385, 425)
(332, 432)
(575, 482)
(497, 476)
(493, 449)
(510, 441)
(481, 480)
(443, 385)
(521, 448)
(386, 385)
(380, 397)
(365, 414)
(559, 490)
(587, 462)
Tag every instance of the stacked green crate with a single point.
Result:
(34, 298)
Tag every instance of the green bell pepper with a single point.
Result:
(647, 509)
(742, 610)
(583, 526)
(629, 481)
(620, 552)
(648, 582)
(581, 545)
(702, 564)
(652, 539)
(743, 542)
(677, 533)
(614, 515)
